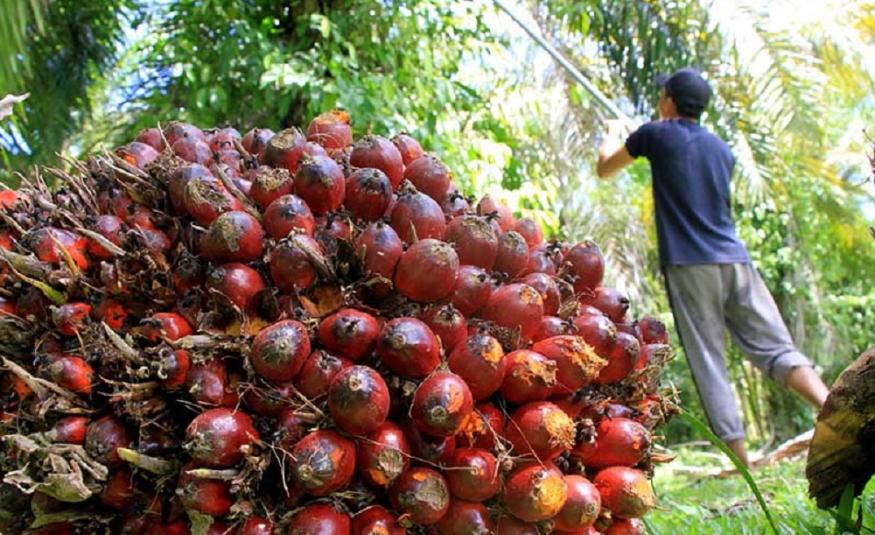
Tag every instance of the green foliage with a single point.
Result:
(58, 66)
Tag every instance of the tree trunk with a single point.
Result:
(842, 451)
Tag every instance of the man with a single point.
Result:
(710, 281)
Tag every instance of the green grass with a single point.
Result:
(703, 505)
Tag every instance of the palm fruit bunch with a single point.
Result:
(207, 332)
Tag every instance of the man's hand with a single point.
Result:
(613, 155)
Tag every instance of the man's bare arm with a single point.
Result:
(613, 155)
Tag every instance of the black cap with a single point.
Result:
(688, 89)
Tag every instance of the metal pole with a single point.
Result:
(578, 76)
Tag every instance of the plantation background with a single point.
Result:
(794, 97)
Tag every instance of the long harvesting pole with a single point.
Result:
(578, 76)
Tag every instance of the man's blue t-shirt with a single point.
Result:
(691, 170)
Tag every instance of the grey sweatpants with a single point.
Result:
(706, 300)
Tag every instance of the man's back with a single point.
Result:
(691, 170)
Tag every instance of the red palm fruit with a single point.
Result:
(380, 249)
(534, 492)
(515, 307)
(582, 505)
(416, 216)
(551, 326)
(175, 368)
(627, 327)
(430, 176)
(6, 240)
(609, 300)
(269, 184)
(455, 204)
(448, 324)
(474, 241)
(379, 153)
(317, 372)
(118, 491)
(177, 181)
(175, 131)
(626, 526)
(207, 382)
(151, 137)
(217, 438)
(205, 198)
(272, 400)
(168, 326)
(332, 228)
(69, 318)
(223, 138)
(279, 350)
(368, 194)
(407, 347)
(432, 449)
(652, 331)
(513, 254)
(48, 242)
(256, 525)
(331, 130)
(488, 205)
(508, 525)
(322, 462)
(529, 376)
(71, 372)
(284, 149)
(541, 428)
(427, 271)
(238, 282)
(110, 311)
(408, 147)
(320, 182)
(376, 520)
(69, 430)
(255, 141)
(233, 237)
(529, 230)
(625, 492)
(208, 496)
(622, 359)
(103, 438)
(587, 266)
(384, 456)
(286, 214)
(577, 364)
(192, 150)
(472, 290)
(319, 519)
(137, 154)
(479, 360)
(358, 400)
(472, 474)
(619, 442)
(598, 331)
(540, 261)
(482, 428)
(466, 518)
(7, 306)
(649, 354)
(110, 227)
(548, 288)
(291, 266)
(290, 428)
(421, 494)
(349, 333)
(154, 239)
(441, 404)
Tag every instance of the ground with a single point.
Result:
(694, 503)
